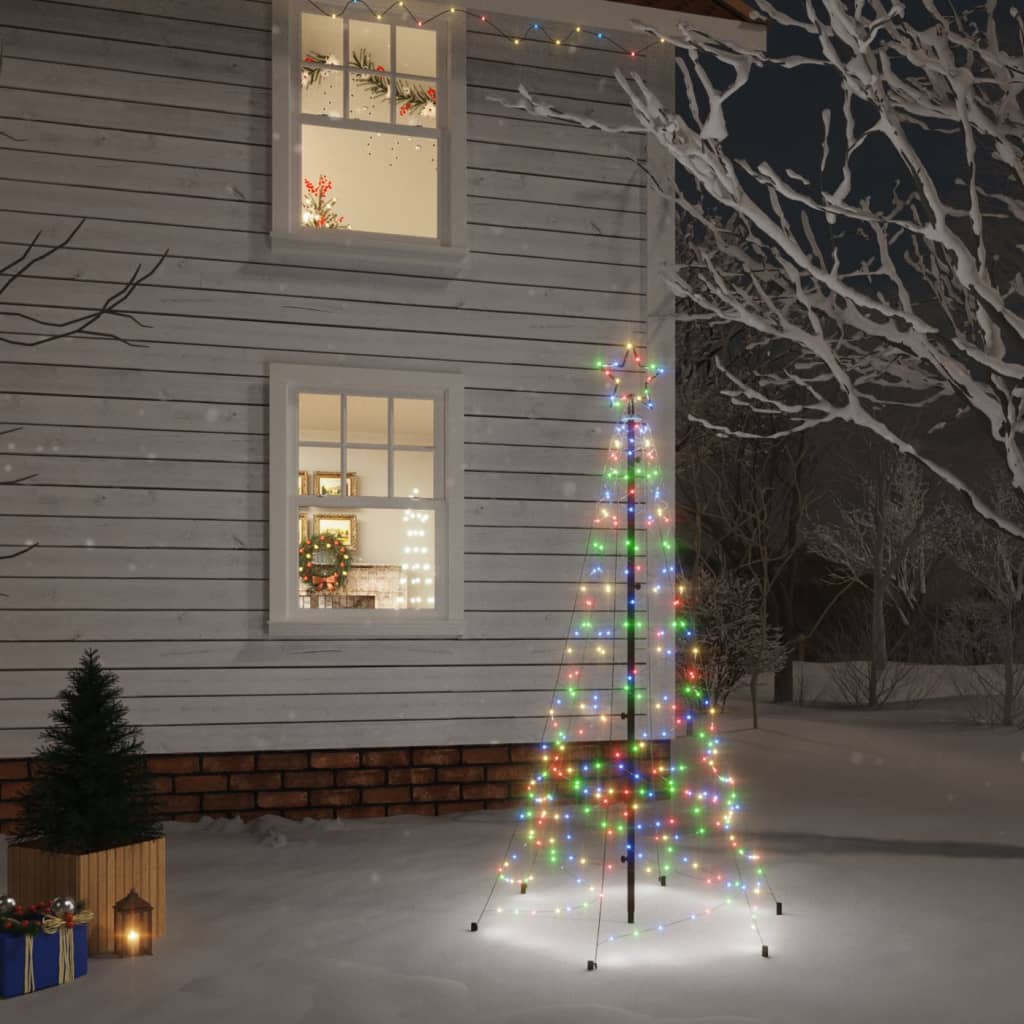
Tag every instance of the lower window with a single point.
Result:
(365, 524)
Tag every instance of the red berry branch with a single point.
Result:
(318, 206)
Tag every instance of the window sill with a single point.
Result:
(329, 627)
(357, 251)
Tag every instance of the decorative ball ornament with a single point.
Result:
(62, 906)
(7, 904)
(324, 561)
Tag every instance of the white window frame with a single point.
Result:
(364, 249)
(287, 380)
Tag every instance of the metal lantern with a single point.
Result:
(133, 926)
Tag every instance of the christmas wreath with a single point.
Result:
(323, 562)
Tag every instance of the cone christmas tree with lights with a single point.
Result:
(619, 833)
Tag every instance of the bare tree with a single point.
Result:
(746, 501)
(995, 563)
(733, 641)
(29, 330)
(885, 536)
(21, 549)
(874, 303)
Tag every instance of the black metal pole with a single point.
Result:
(631, 555)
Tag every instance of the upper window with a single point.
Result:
(369, 129)
(365, 501)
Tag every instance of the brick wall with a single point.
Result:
(332, 783)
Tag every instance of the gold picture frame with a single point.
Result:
(345, 526)
(303, 482)
(328, 485)
(303, 528)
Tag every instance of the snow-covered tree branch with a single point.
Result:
(889, 279)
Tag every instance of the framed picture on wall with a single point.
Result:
(328, 485)
(303, 482)
(344, 526)
(303, 528)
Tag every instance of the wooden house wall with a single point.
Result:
(146, 464)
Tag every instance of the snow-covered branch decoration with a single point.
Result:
(870, 303)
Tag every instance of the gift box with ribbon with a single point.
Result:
(54, 953)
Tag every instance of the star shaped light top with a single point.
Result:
(630, 380)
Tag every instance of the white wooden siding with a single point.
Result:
(148, 464)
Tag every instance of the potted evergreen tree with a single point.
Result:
(89, 826)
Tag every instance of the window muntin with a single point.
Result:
(369, 134)
(382, 445)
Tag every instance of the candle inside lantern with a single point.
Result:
(133, 926)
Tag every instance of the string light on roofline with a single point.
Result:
(535, 31)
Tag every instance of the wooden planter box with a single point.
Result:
(100, 878)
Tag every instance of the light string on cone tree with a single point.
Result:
(589, 780)
(515, 33)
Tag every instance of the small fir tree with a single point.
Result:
(92, 789)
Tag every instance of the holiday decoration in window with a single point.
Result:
(412, 97)
(370, 125)
(324, 562)
(318, 205)
(312, 68)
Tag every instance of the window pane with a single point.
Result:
(369, 97)
(322, 92)
(366, 420)
(414, 421)
(370, 466)
(414, 474)
(322, 566)
(372, 38)
(321, 40)
(319, 470)
(419, 563)
(417, 52)
(392, 560)
(417, 104)
(380, 182)
(322, 35)
(320, 418)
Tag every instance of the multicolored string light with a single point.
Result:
(532, 30)
(684, 815)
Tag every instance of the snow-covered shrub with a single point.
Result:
(733, 640)
(991, 686)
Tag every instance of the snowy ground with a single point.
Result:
(895, 840)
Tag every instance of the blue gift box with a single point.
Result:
(45, 960)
